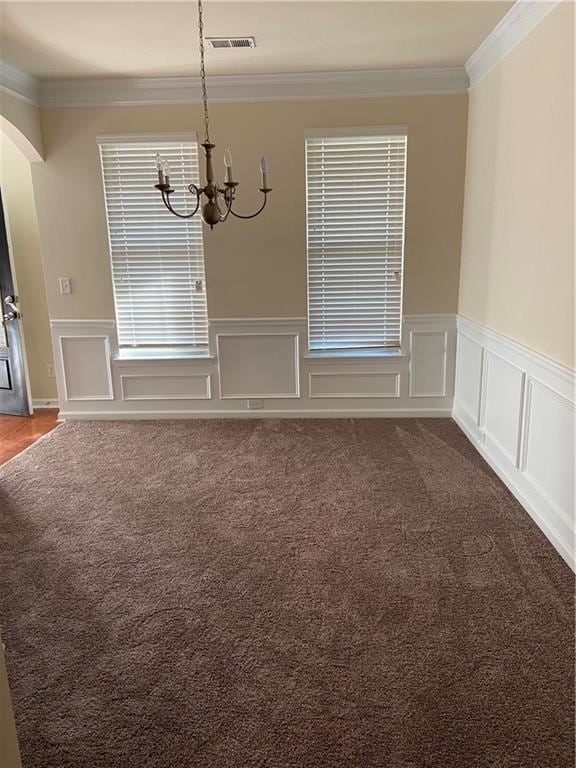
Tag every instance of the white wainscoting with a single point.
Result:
(354, 384)
(258, 367)
(428, 351)
(518, 408)
(86, 367)
(83, 354)
(160, 386)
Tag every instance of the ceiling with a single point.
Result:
(74, 39)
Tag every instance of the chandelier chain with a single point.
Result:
(211, 210)
(203, 72)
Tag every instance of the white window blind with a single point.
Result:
(157, 259)
(356, 188)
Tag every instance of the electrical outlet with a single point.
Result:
(50, 371)
(255, 404)
(65, 285)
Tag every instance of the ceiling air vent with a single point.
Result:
(231, 42)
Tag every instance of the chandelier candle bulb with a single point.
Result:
(166, 173)
(228, 164)
(160, 168)
(264, 172)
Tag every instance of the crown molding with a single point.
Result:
(265, 87)
(20, 84)
(521, 19)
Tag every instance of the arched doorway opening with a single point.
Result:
(26, 358)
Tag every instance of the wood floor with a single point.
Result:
(18, 432)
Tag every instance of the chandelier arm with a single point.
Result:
(258, 212)
(193, 189)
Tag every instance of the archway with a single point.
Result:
(21, 141)
(17, 154)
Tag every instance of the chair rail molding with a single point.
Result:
(521, 19)
(518, 408)
(254, 359)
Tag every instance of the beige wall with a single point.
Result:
(257, 268)
(18, 196)
(517, 272)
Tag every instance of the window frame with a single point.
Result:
(354, 132)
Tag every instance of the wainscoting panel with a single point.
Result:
(428, 363)
(501, 405)
(354, 384)
(256, 367)
(550, 421)
(469, 377)
(86, 367)
(526, 428)
(83, 353)
(159, 386)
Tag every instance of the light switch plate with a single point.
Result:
(65, 285)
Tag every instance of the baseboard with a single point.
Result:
(391, 413)
(518, 409)
(38, 405)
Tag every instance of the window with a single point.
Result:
(356, 184)
(157, 259)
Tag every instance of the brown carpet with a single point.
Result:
(279, 594)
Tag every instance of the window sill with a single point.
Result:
(355, 354)
(162, 354)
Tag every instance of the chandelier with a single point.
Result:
(219, 200)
